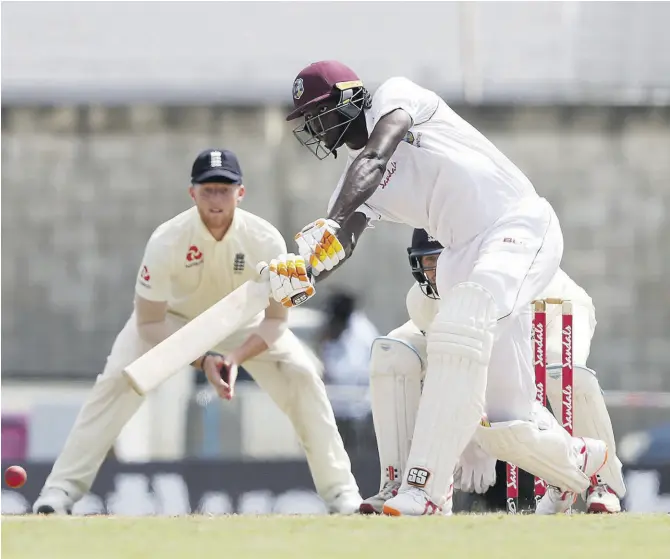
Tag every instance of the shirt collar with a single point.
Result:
(204, 233)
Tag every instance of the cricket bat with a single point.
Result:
(200, 334)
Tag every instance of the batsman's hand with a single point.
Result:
(476, 470)
(221, 372)
(289, 282)
(319, 246)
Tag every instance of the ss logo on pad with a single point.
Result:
(418, 477)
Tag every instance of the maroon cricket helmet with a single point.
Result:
(320, 81)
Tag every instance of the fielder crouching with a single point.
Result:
(398, 367)
(190, 263)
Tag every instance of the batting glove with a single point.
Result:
(318, 244)
(289, 283)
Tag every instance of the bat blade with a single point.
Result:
(198, 336)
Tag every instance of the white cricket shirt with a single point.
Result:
(185, 266)
(445, 176)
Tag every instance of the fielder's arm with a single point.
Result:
(367, 170)
(154, 324)
(272, 326)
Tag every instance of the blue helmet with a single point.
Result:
(423, 245)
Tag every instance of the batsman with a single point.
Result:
(413, 160)
(398, 365)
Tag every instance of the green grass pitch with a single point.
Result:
(323, 537)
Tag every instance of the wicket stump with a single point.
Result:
(539, 340)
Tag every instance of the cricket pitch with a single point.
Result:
(324, 537)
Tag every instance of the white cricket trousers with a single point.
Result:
(285, 372)
(515, 261)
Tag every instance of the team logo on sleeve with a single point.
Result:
(145, 277)
(193, 256)
(298, 88)
(238, 265)
(412, 140)
(418, 477)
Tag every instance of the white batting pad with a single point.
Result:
(591, 418)
(395, 388)
(540, 447)
(460, 340)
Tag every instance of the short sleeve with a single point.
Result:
(154, 277)
(401, 93)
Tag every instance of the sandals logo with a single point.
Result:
(390, 171)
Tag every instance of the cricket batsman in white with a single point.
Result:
(190, 263)
(413, 160)
(398, 365)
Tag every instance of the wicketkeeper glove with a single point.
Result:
(476, 470)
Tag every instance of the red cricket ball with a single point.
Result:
(15, 476)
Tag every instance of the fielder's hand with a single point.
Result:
(289, 283)
(476, 470)
(319, 246)
(221, 373)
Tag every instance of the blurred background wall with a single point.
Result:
(106, 104)
(84, 187)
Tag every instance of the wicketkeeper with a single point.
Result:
(398, 365)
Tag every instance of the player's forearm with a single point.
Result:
(155, 332)
(254, 345)
(268, 331)
(326, 273)
(367, 171)
(362, 179)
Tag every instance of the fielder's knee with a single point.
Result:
(584, 380)
(391, 356)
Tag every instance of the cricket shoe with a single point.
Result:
(593, 456)
(345, 503)
(555, 501)
(53, 501)
(601, 499)
(375, 504)
(414, 502)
